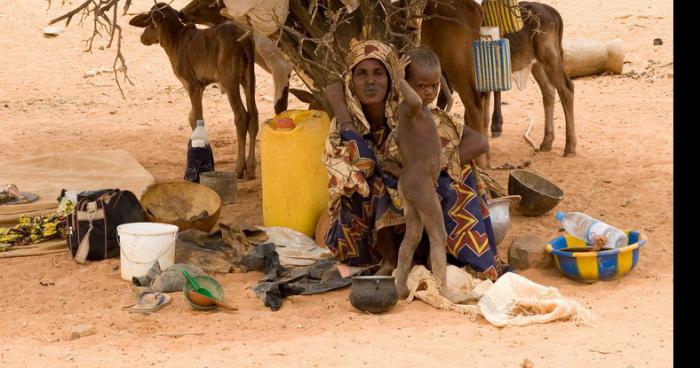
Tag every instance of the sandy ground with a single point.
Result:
(622, 174)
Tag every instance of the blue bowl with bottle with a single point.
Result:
(575, 259)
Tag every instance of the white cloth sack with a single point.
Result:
(263, 15)
(512, 300)
(424, 286)
(295, 248)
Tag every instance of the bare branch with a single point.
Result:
(127, 4)
(105, 21)
(314, 38)
(71, 13)
(120, 58)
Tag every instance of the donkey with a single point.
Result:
(201, 57)
(539, 45)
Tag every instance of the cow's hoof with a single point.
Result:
(569, 154)
(545, 147)
(250, 175)
(495, 134)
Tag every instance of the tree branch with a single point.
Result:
(71, 13)
(109, 24)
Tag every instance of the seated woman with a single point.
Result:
(364, 210)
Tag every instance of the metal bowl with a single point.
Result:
(539, 195)
(499, 213)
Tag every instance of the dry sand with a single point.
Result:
(622, 174)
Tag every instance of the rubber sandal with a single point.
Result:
(149, 302)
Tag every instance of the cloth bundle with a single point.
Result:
(504, 14)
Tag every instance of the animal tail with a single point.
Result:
(560, 35)
(249, 74)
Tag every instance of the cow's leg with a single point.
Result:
(252, 110)
(548, 52)
(240, 118)
(496, 118)
(565, 89)
(473, 112)
(486, 119)
(196, 112)
(548, 101)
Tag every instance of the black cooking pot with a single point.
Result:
(373, 294)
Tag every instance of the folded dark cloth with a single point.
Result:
(280, 282)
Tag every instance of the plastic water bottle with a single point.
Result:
(200, 157)
(589, 229)
(199, 137)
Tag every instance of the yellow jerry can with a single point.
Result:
(294, 180)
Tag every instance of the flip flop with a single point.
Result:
(149, 302)
(28, 197)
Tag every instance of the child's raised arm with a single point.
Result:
(411, 98)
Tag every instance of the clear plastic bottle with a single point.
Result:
(199, 136)
(200, 157)
(589, 229)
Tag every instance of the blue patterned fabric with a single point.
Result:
(355, 219)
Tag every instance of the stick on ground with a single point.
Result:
(527, 134)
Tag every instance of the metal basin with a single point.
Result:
(499, 212)
(539, 195)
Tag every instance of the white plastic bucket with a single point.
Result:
(144, 243)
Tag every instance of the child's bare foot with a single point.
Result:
(385, 270)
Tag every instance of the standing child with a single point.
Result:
(420, 149)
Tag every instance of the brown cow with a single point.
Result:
(539, 43)
(267, 55)
(201, 57)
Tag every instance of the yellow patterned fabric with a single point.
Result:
(372, 50)
(450, 133)
(348, 170)
(504, 14)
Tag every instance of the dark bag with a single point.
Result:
(92, 227)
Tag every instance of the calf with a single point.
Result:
(201, 57)
(267, 55)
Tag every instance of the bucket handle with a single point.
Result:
(122, 252)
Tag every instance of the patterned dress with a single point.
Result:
(364, 199)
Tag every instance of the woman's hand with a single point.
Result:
(472, 145)
(335, 95)
(390, 167)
